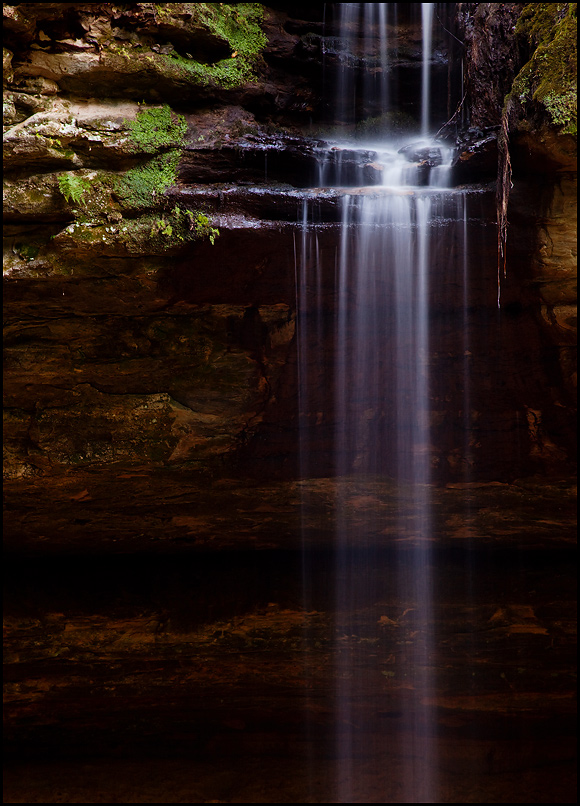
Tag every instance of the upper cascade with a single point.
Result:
(419, 163)
(368, 147)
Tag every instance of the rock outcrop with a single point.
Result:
(521, 86)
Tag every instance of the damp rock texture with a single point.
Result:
(521, 89)
(96, 133)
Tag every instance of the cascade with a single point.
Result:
(374, 393)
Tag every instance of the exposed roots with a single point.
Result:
(504, 184)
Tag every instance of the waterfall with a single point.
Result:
(361, 45)
(382, 341)
(427, 26)
(364, 331)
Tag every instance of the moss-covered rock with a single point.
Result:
(34, 198)
(147, 235)
(548, 81)
(238, 26)
(214, 46)
(99, 200)
(156, 128)
(92, 134)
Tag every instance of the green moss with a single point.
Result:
(549, 78)
(239, 25)
(170, 228)
(108, 199)
(537, 20)
(54, 145)
(141, 187)
(200, 224)
(27, 251)
(153, 129)
(149, 234)
(563, 110)
(227, 73)
(73, 187)
(157, 128)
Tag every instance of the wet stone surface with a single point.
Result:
(244, 660)
(169, 510)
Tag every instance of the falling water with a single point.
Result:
(427, 26)
(359, 25)
(373, 397)
(381, 389)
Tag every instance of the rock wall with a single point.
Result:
(521, 68)
(154, 158)
(102, 366)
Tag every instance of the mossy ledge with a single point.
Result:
(139, 190)
(547, 84)
(238, 24)
(155, 128)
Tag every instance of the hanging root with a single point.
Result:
(504, 184)
(453, 116)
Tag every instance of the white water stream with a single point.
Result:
(427, 28)
(367, 342)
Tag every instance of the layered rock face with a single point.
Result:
(521, 71)
(157, 162)
(135, 334)
(91, 236)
